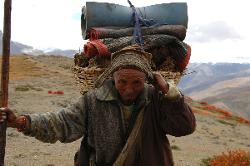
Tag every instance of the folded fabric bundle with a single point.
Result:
(105, 47)
(160, 46)
(96, 48)
(178, 31)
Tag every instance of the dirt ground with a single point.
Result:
(32, 77)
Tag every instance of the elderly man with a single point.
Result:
(123, 122)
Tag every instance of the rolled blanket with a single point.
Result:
(178, 31)
(183, 64)
(160, 46)
(96, 48)
(100, 47)
(96, 14)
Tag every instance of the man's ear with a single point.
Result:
(114, 75)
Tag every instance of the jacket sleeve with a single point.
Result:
(66, 125)
(175, 115)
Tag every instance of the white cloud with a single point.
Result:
(44, 23)
(227, 51)
(213, 31)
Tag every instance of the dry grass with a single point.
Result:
(223, 116)
(27, 87)
(22, 67)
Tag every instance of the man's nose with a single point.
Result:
(129, 91)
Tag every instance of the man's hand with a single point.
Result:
(8, 115)
(13, 121)
(169, 89)
(160, 83)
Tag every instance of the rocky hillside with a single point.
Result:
(32, 79)
(204, 75)
(224, 84)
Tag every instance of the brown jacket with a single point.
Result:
(161, 116)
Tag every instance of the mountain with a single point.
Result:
(204, 75)
(226, 85)
(68, 53)
(17, 48)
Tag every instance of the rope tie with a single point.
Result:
(139, 21)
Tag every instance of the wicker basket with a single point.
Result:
(86, 76)
(169, 75)
(168, 70)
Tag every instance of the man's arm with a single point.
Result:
(175, 116)
(66, 125)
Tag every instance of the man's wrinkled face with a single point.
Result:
(129, 83)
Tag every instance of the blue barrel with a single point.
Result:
(96, 14)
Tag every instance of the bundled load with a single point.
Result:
(108, 28)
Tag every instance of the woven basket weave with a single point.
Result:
(86, 76)
(175, 76)
(168, 70)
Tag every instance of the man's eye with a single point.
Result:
(136, 82)
(122, 82)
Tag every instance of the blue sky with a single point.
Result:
(219, 31)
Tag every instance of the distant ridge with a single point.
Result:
(226, 85)
(17, 48)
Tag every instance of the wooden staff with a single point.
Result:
(5, 74)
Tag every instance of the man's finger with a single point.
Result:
(3, 114)
(3, 117)
(4, 109)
